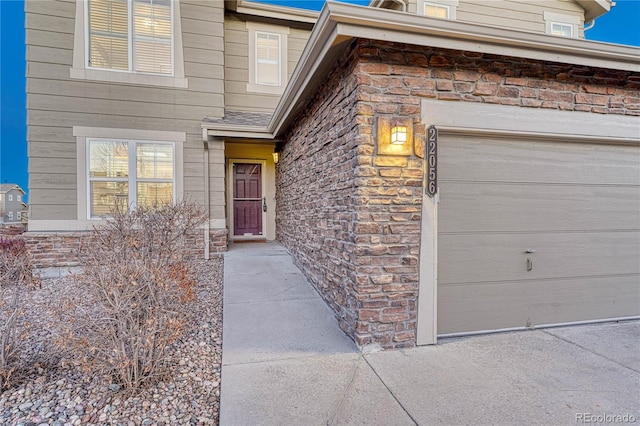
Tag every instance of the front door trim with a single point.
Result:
(230, 178)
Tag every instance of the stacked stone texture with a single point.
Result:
(351, 217)
(60, 249)
(317, 194)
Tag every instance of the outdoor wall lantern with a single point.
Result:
(395, 136)
(276, 151)
(398, 135)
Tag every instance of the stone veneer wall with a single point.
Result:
(316, 194)
(350, 217)
(55, 254)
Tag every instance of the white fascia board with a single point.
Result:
(323, 38)
(407, 28)
(339, 22)
(238, 131)
(276, 12)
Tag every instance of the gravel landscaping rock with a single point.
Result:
(56, 393)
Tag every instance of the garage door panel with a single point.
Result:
(513, 207)
(466, 159)
(492, 306)
(577, 205)
(502, 257)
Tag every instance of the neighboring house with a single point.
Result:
(13, 209)
(311, 129)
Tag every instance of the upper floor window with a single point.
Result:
(10, 197)
(436, 11)
(129, 41)
(18, 197)
(562, 25)
(564, 30)
(130, 35)
(267, 58)
(442, 9)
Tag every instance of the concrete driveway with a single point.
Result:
(286, 362)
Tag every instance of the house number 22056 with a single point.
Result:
(432, 161)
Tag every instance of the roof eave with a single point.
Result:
(272, 11)
(236, 131)
(595, 8)
(339, 22)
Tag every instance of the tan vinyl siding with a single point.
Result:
(524, 15)
(515, 14)
(56, 103)
(237, 66)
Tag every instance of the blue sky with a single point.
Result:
(619, 26)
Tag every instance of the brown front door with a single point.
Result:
(247, 199)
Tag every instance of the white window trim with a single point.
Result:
(85, 134)
(10, 197)
(574, 21)
(451, 5)
(10, 215)
(80, 69)
(283, 32)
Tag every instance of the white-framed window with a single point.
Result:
(130, 35)
(436, 11)
(10, 215)
(129, 173)
(129, 41)
(10, 197)
(563, 30)
(442, 9)
(19, 198)
(128, 168)
(267, 58)
(562, 25)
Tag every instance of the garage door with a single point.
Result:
(532, 232)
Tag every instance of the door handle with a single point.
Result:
(264, 204)
(529, 265)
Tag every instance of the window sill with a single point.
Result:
(128, 78)
(259, 88)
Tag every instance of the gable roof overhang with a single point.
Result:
(340, 23)
(6, 187)
(595, 8)
(265, 10)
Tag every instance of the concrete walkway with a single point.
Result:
(286, 362)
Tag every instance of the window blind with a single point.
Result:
(145, 39)
(108, 34)
(268, 59)
(152, 36)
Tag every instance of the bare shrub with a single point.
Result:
(133, 294)
(16, 275)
